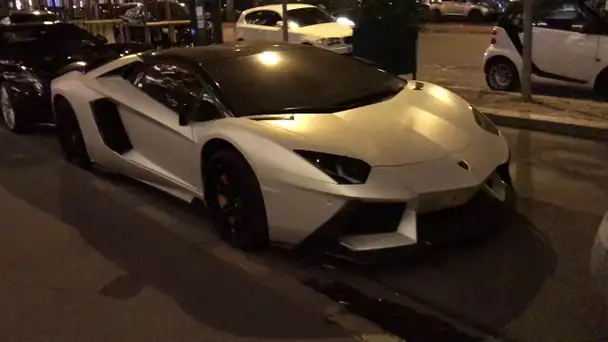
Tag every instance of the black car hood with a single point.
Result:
(128, 48)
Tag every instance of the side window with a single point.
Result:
(171, 85)
(565, 16)
(252, 18)
(270, 18)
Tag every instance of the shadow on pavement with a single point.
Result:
(215, 293)
(485, 282)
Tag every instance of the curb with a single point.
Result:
(544, 123)
(456, 29)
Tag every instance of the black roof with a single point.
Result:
(213, 53)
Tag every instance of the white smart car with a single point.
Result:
(307, 25)
(570, 47)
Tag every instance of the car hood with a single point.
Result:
(327, 30)
(412, 127)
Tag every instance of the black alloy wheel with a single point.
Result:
(437, 16)
(601, 85)
(70, 136)
(475, 16)
(235, 202)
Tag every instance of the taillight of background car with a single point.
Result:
(494, 32)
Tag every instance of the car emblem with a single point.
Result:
(463, 164)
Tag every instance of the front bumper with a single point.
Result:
(365, 226)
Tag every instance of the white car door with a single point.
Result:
(561, 52)
(269, 30)
(163, 151)
(251, 27)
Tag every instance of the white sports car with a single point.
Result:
(285, 142)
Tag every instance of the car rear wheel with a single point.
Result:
(502, 75)
(13, 118)
(437, 17)
(475, 16)
(235, 202)
(70, 136)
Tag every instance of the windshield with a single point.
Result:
(308, 16)
(300, 80)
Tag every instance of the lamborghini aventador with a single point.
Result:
(285, 143)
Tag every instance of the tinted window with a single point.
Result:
(71, 34)
(560, 16)
(271, 82)
(19, 18)
(171, 85)
(121, 10)
(265, 18)
(309, 16)
(20, 34)
(158, 11)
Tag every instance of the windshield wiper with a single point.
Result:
(300, 110)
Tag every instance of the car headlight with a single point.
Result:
(342, 169)
(484, 122)
(345, 21)
(329, 41)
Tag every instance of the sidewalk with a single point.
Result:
(131, 282)
(574, 117)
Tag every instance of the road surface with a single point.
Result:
(94, 257)
(452, 58)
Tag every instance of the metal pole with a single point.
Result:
(284, 15)
(526, 83)
(230, 10)
(147, 37)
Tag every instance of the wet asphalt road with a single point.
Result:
(452, 58)
(109, 259)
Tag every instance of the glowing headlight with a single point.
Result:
(329, 41)
(342, 169)
(484, 122)
(345, 21)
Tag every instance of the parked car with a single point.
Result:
(31, 55)
(107, 11)
(473, 10)
(157, 11)
(307, 25)
(341, 10)
(570, 47)
(20, 17)
(599, 258)
(286, 142)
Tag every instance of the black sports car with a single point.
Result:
(31, 55)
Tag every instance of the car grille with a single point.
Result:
(348, 40)
(360, 218)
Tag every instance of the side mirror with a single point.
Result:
(207, 111)
(279, 23)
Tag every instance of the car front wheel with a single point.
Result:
(502, 75)
(234, 199)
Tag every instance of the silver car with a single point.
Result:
(474, 10)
